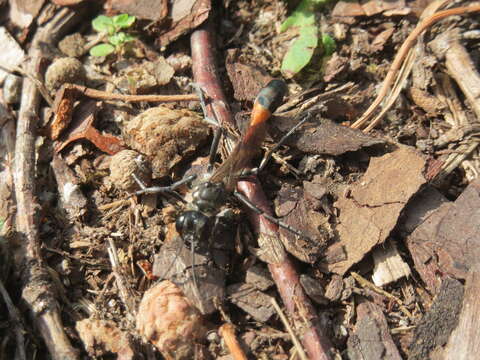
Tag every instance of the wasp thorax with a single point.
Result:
(208, 197)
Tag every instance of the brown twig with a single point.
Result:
(38, 291)
(227, 331)
(400, 57)
(15, 318)
(283, 272)
(298, 347)
(104, 95)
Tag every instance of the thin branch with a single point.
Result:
(16, 320)
(38, 290)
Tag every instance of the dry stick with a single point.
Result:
(367, 284)
(15, 318)
(104, 95)
(227, 331)
(284, 319)
(282, 269)
(38, 290)
(400, 57)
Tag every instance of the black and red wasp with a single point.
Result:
(211, 194)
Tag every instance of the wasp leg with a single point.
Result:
(269, 153)
(165, 190)
(203, 104)
(270, 218)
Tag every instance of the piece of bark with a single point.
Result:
(294, 211)
(258, 276)
(371, 337)
(82, 127)
(247, 80)
(11, 55)
(23, 12)
(186, 15)
(374, 7)
(421, 207)
(347, 9)
(463, 342)
(38, 290)
(314, 289)
(388, 265)
(252, 301)
(447, 242)
(371, 209)
(103, 336)
(434, 329)
(156, 10)
(324, 137)
(72, 199)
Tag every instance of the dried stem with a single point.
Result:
(299, 307)
(38, 291)
(401, 55)
(15, 318)
(227, 331)
(104, 95)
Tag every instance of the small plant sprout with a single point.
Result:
(111, 26)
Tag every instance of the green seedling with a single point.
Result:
(111, 27)
(304, 23)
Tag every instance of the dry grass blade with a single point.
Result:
(400, 58)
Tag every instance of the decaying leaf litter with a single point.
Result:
(392, 212)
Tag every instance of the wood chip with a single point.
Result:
(186, 15)
(464, 340)
(389, 265)
(322, 136)
(23, 12)
(371, 337)
(370, 212)
(11, 55)
(433, 331)
(252, 301)
(448, 242)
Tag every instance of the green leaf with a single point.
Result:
(102, 50)
(303, 15)
(117, 39)
(300, 52)
(102, 23)
(123, 21)
(129, 38)
(329, 45)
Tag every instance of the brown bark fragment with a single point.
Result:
(371, 337)
(371, 210)
(434, 329)
(447, 241)
(464, 340)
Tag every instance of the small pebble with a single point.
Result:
(12, 88)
